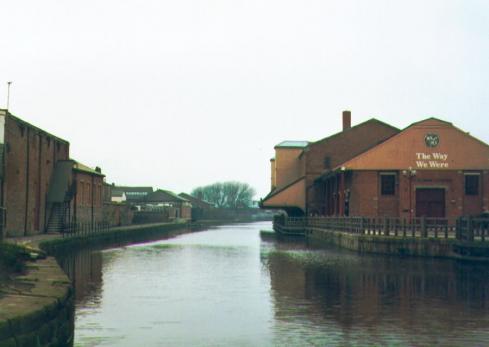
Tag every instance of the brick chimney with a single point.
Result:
(346, 120)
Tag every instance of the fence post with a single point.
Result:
(386, 227)
(470, 229)
(424, 230)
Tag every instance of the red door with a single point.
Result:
(430, 202)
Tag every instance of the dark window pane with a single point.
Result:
(388, 184)
(327, 162)
(472, 185)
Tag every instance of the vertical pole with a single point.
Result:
(8, 94)
(470, 228)
(386, 226)
(424, 233)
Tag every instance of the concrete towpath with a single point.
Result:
(33, 241)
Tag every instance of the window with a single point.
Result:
(472, 184)
(327, 163)
(81, 190)
(388, 184)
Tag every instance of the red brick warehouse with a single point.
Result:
(430, 169)
(297, 165)
(30, 155)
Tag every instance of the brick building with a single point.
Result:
(87, 204)
(199, 207)
(177, 206)
(29, 157)
(297, 165)
(75, 196)
(135, 196)
(430, 169)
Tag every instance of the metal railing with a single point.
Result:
(3, 216)
(473, 229)
(85, 229)
(466, 228)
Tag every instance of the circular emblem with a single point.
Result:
(432, 140)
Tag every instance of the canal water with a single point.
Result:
(228, 286)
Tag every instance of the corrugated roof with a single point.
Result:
(292, 144)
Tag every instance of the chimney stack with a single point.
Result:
(346, 120)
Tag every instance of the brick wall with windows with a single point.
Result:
(430, 169)
(87, 205)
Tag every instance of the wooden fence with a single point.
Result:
(466, 228)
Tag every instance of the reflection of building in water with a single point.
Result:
(84, 268)
(429, 294)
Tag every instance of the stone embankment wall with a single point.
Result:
(37, 309)
(439, 248)
(120, 235)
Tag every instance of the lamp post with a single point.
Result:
(8, 93)
(410, 173)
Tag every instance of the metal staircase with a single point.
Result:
(61, 191)
(57, 219)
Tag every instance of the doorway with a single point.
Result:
(430, 202)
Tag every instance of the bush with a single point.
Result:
(13, 257)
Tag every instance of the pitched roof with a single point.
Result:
(116, 193)
(21, 121)
(196, 202)
(281, 189)
(407, 149)
(161, 195)
(86, 169)
(134, 194)
(292, 144)
(371, 120)
(127, 189)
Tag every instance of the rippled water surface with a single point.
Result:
(229, 287)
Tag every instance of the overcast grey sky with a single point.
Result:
(182, 93)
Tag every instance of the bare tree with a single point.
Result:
(226, 194)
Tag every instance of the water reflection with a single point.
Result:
(226, 286)
(381, 300)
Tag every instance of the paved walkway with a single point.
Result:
(35, 240)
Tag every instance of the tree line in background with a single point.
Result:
(226, 194)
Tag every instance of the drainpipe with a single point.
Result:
(92, 191)
(75, 199)
(26, 215)
(2, 195)
(39, 184)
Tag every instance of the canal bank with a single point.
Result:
(431, 247)
(467, 240)
(182, 290)
(38, 309)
